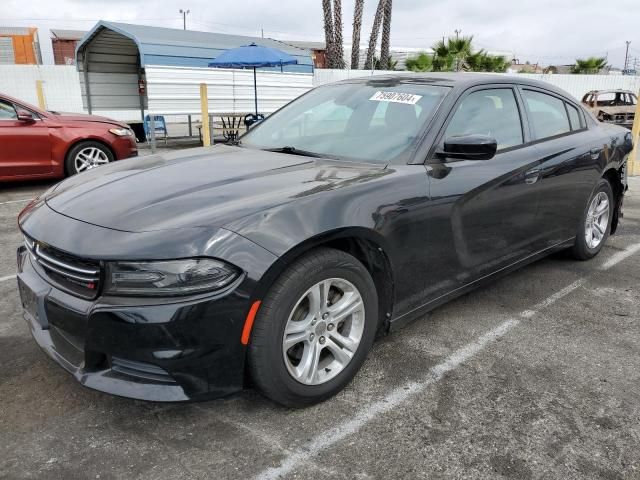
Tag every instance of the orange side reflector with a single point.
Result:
(248, 323)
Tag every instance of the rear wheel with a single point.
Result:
(314, 329)
(86, 156)
(595, 225)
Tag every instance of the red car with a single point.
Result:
(36, 144)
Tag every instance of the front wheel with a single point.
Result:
(314, 329)
(595, 224)
(86, 156)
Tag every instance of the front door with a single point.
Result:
(25, 146)
(484, 211)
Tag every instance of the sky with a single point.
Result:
(547, 32)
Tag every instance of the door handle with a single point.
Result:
(595, 153)
(531, 176)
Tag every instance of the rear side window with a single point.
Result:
(7, 112)
(493, 112)
(547, 114)
(574, 117)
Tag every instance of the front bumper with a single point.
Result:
(138, 348)
(125, 147)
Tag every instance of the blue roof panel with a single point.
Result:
(187, 48)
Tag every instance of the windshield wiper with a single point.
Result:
(293, 151)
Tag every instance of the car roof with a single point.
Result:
(460, 80)
(619, 90)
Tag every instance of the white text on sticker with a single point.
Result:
(396, 97)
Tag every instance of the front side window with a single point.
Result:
(493, 112)
(7, 112)
(362, 122)
(546, 114)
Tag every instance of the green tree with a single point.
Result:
(391, 64)
(457, 54)
(423, 62)
(589, 65)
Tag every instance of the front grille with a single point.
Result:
(140, 370)
(73, 274)
(623, 117)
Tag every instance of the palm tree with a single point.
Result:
(452, 54)
(386, 37)
(423, 62)
(338, 47)
(456, 54)
(373, 39)
(357, 27)
(391, 64)
(589, 65)
(328, 32)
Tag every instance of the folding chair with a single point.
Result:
(160, 126)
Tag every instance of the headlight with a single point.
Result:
(172, 277)
(121, 132)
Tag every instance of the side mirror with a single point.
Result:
(25, 116)
(469, 147)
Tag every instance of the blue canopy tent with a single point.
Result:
(253, 56)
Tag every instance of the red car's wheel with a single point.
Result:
(87, 155)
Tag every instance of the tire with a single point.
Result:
(582, 248)
(272, 365)
(94, 154)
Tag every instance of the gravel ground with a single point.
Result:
(534, 376)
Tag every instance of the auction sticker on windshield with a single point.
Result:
(396, 97)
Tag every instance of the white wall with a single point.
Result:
(576, 85)
(176, 90)
(61, 85)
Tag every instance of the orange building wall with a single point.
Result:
(24, 48)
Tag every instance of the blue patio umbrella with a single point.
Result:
(253, 56)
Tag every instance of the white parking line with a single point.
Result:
(9, 277)
(15, 201)
(399, 395)
(619, 256)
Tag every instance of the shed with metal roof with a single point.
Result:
(113, 58)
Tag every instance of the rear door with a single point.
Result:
(25, 146)
(485, 210)
(569, 155)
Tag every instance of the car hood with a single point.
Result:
(83, 117)
(198, 187)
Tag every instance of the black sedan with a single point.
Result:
(275, 262)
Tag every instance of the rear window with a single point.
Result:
(574, 117)
(546, 114)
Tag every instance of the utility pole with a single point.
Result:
(184, 18)
(626, 56)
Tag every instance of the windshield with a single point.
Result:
(350, 121)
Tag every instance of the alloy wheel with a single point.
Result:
(597, 220)
(323, 331)
(90, 157)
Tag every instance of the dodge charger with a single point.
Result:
(275, 262)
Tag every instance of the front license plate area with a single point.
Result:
(29, 300)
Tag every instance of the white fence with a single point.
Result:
(60, 83)
(576, 85)
(175, 91)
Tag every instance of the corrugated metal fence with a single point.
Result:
(576, 85)
(175, 90)
(60, 83)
